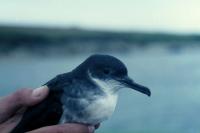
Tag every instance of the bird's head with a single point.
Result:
(110, 73)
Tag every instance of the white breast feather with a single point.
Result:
(104, 106)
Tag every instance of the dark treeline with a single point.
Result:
(35, 39)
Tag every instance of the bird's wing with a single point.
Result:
(46, 113)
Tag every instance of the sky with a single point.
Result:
(144, 15)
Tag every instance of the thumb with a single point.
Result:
(24, 97)
(29, 97)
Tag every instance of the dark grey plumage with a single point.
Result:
(78, 96)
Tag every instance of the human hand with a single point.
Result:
(13, 106)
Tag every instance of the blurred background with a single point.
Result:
(159, 41)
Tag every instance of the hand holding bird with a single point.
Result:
(12, 108)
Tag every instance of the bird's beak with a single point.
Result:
(128, 82)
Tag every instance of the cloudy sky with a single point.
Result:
(150, 15)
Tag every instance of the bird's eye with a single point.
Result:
(106, 71)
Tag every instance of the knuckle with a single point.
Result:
(20, 95)
(61, 129)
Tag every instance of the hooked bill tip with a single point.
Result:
(148, 93)
(130, 84)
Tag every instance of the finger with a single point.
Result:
(23, 97)
(8, 125)
(65, 128)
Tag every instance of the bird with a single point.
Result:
(88, 94)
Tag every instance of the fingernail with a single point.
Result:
(91, 129)
(38, 92)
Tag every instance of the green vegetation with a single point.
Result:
(8, 33)
(33, 39)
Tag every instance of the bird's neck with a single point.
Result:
(109, 87)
